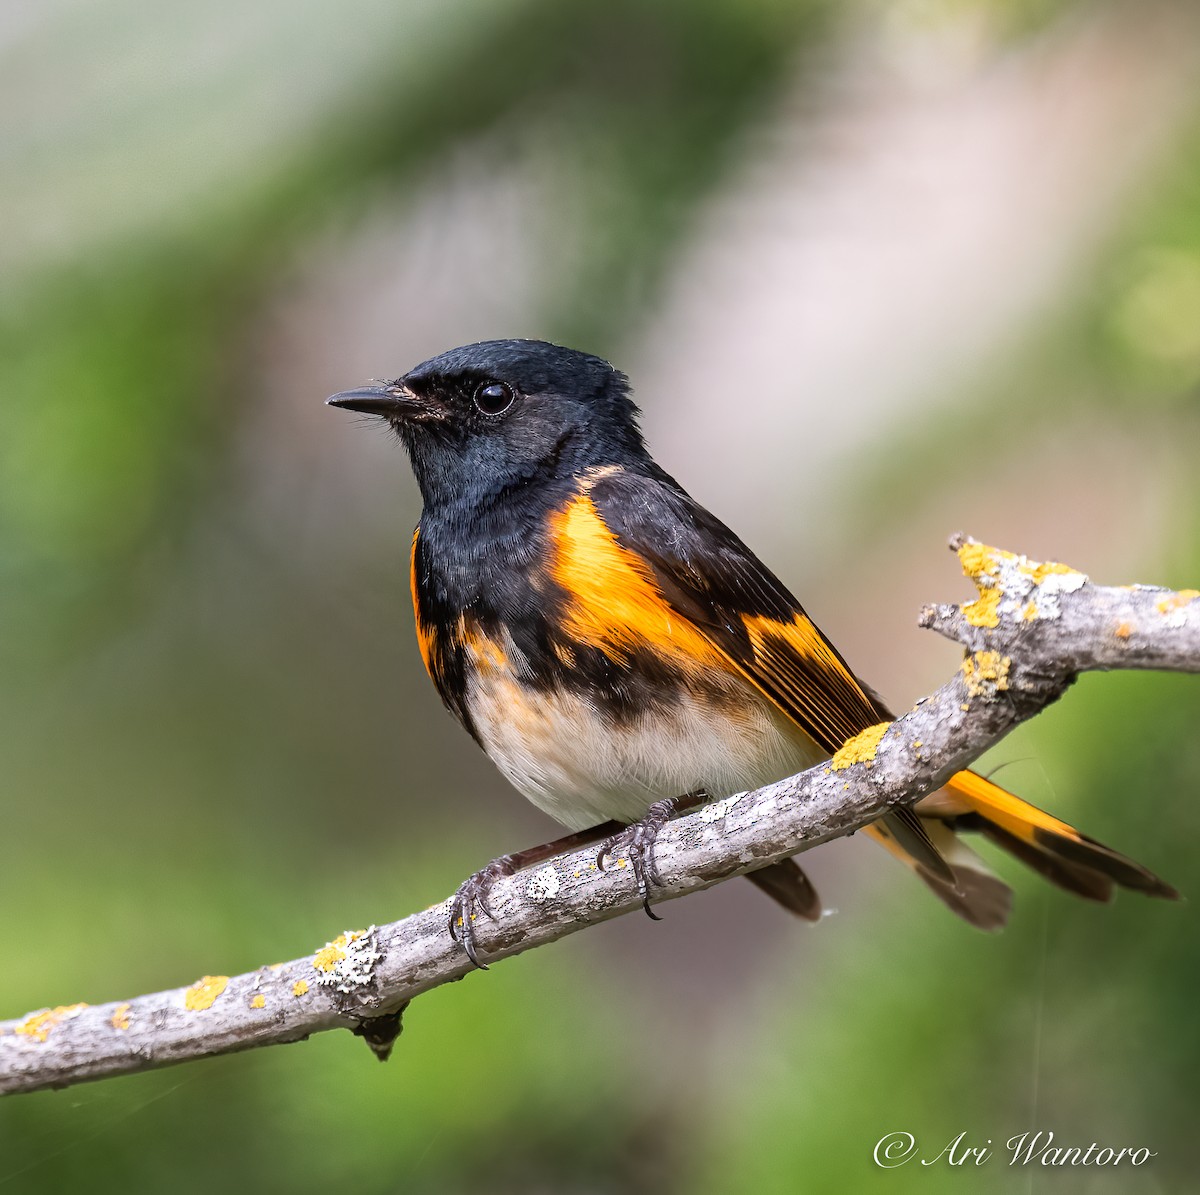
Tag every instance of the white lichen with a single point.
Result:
(348, 962)
(718, 809)
(1052, 588)
(543, 884)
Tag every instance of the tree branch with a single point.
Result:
(1032, 628)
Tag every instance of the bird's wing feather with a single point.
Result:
(711, 579)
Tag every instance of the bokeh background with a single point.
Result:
(879, 271)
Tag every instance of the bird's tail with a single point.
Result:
(787, 885)
(1062, 854)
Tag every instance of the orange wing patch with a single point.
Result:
(796, 667)
(615, 604)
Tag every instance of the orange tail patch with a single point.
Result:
(1061, 853)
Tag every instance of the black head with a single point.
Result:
(492, 416)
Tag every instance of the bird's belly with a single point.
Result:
(582, 764)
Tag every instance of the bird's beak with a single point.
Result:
(392, 401)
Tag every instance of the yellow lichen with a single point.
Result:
(120, 1017)
(1176, 601)
(978, 560)
(258, 1001)
(1124, 630)
(328, 957)
(1008, 584)
(860, 749)
(917, 743)
(986, 673)
(204, 992)
(38, 1024)
(985, 610)
(299, 987)
(1039, 572)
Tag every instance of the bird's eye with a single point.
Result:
(494, 398)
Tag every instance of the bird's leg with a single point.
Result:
(637, 842)
(471, 899)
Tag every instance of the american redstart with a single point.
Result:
(619, 653)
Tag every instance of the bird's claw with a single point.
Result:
(471, 901)
(636, 842)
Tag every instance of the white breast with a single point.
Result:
(575, 764)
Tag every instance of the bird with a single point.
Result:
(621, 655)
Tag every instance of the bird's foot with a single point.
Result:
(471, 901)
(637, 841)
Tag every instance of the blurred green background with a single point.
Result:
(879, 271)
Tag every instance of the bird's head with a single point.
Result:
(492, 416)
